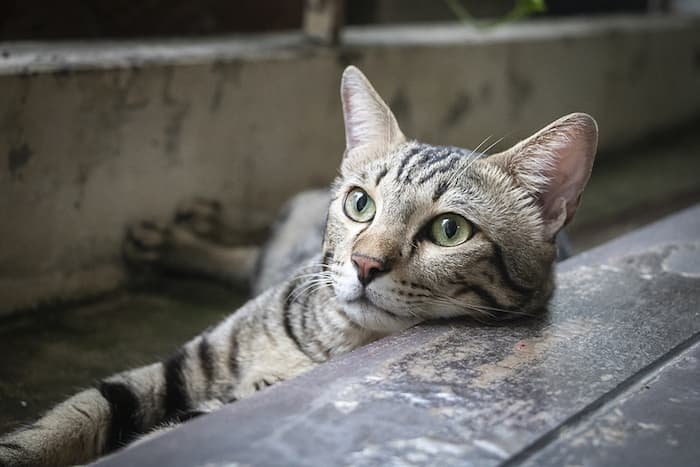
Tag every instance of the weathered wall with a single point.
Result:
(97, 135)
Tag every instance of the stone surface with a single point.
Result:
(655, 422)
(458, 393)
(96, 135)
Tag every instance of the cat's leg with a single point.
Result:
(247, 351)
(192, 244)
(178, 249)
(90, 423)
(124, 406)
(195, 242)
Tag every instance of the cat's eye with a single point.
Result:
(450, 230)
(359, 206)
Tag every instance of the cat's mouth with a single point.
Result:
(363, 310)
(365, 302)
(367, 307)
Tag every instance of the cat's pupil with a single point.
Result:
(360, 201)
(450, 227)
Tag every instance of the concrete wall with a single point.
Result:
(98, 135)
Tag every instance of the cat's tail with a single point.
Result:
(92, 422)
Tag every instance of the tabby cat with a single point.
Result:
(413, 232)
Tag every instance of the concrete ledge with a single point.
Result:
(533, 392)
(66, 56)
(101, 134)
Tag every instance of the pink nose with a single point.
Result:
(368, 267)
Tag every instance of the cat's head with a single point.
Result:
(417, 231)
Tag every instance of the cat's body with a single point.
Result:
(413, 232)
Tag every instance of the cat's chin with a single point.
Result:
(369, 316)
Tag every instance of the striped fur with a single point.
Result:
(517, 201)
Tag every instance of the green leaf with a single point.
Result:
(521, 9)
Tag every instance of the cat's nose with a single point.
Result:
(368, 267)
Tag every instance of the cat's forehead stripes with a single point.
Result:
(419, 163)
(414, 176)
(440, 190)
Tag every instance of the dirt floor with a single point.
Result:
(47, 356)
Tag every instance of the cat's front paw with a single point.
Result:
(202, 217)
(146, 243)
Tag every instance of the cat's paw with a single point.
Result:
(145, 243)
(200, 216)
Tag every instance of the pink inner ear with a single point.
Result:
(349, 112)
(361, 118)
(361, 111)
(368, 120)
(568, 173)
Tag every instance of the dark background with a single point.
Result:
(83, 19)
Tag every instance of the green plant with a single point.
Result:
(521, 9)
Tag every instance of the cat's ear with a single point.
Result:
(555, 164)
(368, 120)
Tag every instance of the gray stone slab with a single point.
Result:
(458, 393)
(656, 422)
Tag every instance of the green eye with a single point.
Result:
(359, 206)
(450, 230)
